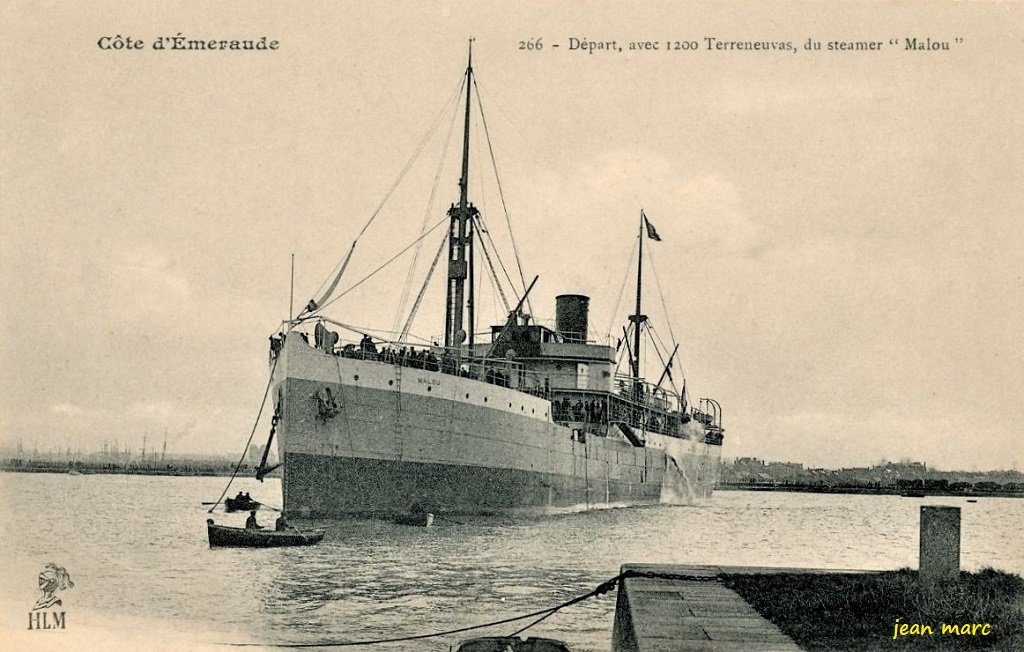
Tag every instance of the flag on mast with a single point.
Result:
(651, 232)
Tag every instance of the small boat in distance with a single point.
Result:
(420, 519)
(241, 503)
(222, 536)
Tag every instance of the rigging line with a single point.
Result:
(496, 292)
(622, 290)
(624, 347)
(426, 215)
(362, 331)
(490, 265)
(681, 368)
(396, 639)
(391, 190)
(501, 193)
(661, 295)
(419, 297)
(501, 263)
(656, 340)
(385, 263)
(245, 450)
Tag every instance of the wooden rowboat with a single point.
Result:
(422, 519)
(241, 504)
(237, 537)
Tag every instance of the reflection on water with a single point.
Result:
(136, 546)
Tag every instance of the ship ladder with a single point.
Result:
(398, 408)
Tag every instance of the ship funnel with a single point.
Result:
(571, 317)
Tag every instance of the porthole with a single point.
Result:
(485, 399)
(356, 377)
(510, 405)
(532, 411)
(391, 382)
(428, 388)
(467, 395)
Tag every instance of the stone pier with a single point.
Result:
(687, 615)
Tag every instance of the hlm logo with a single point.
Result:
(46, 620)
(52, 578)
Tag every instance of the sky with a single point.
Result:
(841, 254)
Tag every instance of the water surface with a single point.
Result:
(136, 548)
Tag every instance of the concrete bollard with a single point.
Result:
(940, 543)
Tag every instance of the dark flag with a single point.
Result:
(651, 232)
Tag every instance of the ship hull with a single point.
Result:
(363, 437)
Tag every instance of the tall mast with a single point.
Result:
(637, 318)
(460, 235)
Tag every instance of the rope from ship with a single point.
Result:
(385, 264)
(245, 450)
(600, 589)
(401, 175)
(501, 195)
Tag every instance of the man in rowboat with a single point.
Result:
(251, 524)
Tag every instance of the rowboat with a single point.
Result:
(241, 504)
(420, 519)
(237, 537)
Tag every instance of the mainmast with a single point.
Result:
(460, 239)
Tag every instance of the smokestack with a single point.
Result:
(572, 316)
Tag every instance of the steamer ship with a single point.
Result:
(525, 418)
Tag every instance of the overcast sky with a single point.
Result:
(841, 251)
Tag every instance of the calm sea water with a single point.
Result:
(145, 577)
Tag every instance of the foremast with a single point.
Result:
(460, 242)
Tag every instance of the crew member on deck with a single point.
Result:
(281, 524)
(251, 524)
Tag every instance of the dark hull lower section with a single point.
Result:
(323, 486)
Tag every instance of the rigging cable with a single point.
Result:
(657, 282)
(501, 194)
(654, 341)
(423, 289)
(622, 290)
(486, 231)
(426, 216)
(245, 450)
(490, 265)
(385, 263)
(661, 295)
(315, 305)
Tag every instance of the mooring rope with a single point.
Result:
(600, 589)
(245, 450)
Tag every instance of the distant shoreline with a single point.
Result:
(185, 468)
(869, 491)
